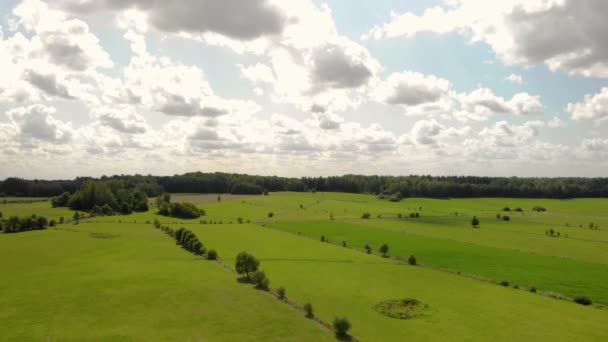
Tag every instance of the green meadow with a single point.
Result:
(118, 278)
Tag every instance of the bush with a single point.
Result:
(52, 223)
(183, 210)
(506, 209)
(322, 238)
(533, 289)
(343, 243)
(260, 280)
(518, 209)
(583, 300)
(366, 216)
(506, 218)
(211, 254)
(368, 249)
(270, 215)
(539, 208)
(498, 216)
(411, 260)
(281, 293)
(384, 249)
(475, 222)
(341, 326)
(504, 283)
(308, 310)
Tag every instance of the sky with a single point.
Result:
(303, 87)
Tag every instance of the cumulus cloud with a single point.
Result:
(593, 107)
(412, 89)
(431, 133)
(36, 123)
(243, 20)
(565, 35)
(124, 119)
(556, 123)
(48, 83)
(60, 40)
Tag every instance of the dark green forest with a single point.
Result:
(392, 187)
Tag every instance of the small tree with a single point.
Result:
(411, 260)
(308, 310)
(322, 238)
(260, 280)
(76, 217)
(384, 249)
(281, 292)
(270, 215)
(368, 249)
(341, 327)
(506, 218)
(246, 263)
(366, 216)
(475, 222)
(211, 254)
(219, 198)
(343, 243)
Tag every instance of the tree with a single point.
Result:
(411, 260)
(219, 198)
(76, 217)
(475, 222)
(366, 216)
(309, 311)
(211, 254)
(246, 263)
(341, 327)
(368, 249)
(270, 215)
(281, 293)
(260, 280)
(384, 249)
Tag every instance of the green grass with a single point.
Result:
(109, 282)
(546, 273)
(340, 281)
(41, 208)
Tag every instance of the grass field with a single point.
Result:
(120, 282)
(123, 277)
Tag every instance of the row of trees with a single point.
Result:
(187, 239)
(393, 188)
(15, 224)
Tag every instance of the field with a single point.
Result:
(131, 282)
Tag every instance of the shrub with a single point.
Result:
(211, 254)
(239, 220)
(518, 209)
(506, 218)
(533, 289)
(411, 260)
(504, 283)
(270, 215)
(260, 280)
(183, 210)
(506, 209)
(475, 222)
(384, 249)
(341, 326)
(61, 219)
(308, 310)
(343, 243)
(52, 223)
(368, 249)
(322, 238)
(366, 216)
(281, 293)
(417, 215)
(246, 263)
(516, 286)
(583, 300)
(498, 216)
(539, 208)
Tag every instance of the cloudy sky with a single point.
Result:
(304, 87)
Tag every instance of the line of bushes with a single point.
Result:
(187, 239)
(15, 224)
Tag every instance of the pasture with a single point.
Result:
(131, 282)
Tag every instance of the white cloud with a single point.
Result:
(412, 89)
(36, 123)
(565, 35)
(593, 107)
(513, 78)
(556, 123)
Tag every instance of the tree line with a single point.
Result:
(16, 224)
(391, 187)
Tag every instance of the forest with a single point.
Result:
(396, 186)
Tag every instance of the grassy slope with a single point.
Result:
(70, 286)
(340, 281)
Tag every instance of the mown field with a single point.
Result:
(123, 277)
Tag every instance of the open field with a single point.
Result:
(206, 198)
(121, 268)
(109, 282)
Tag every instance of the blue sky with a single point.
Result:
(314, 88)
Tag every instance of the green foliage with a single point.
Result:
(506, 218)
(308, 310)
(246, 189)
(506, 209)
(383, 249)
(539, 208)
(504, 283)
(61, 200)
(281, 293)
(583, 300)
(411, 260)
(533, 289)
(246, 264)
(368, 249)
(475, 222)
(183, 210)
(260, 280)
(116, 194)
(341, 326)
(212, 254)
(270, 215)
(366, 216)
(16, 224)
